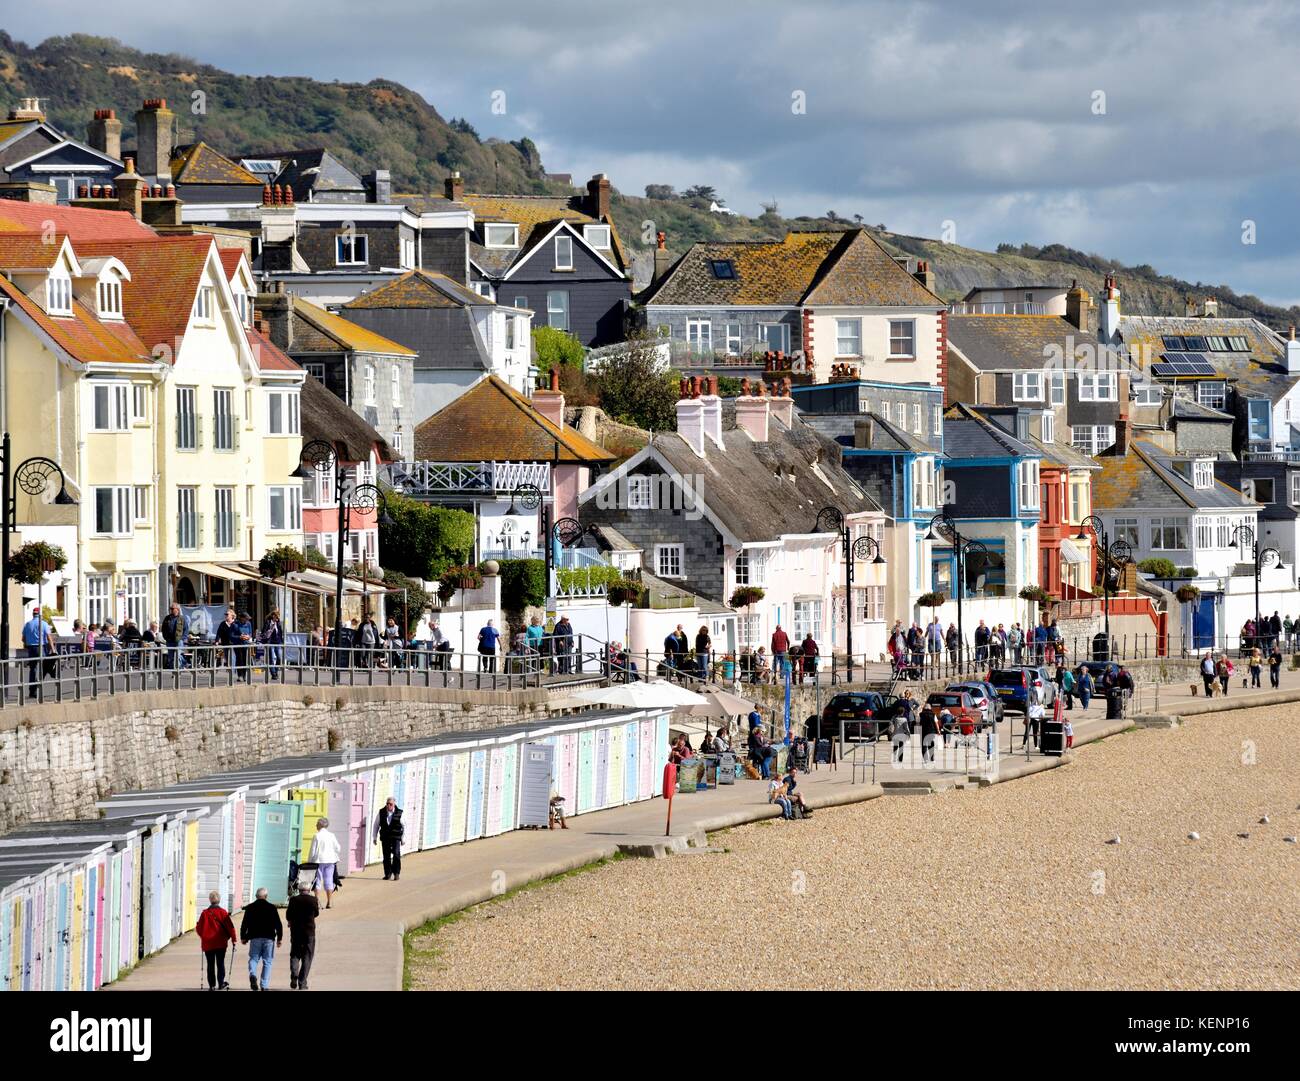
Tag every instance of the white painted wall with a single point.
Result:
(874, 362)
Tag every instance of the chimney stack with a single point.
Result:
(380, 183)
(1190, 308)
(104, 133)
(1078, 307)
(782, 404)
(454, 187)
(550, 402)
(712, 411)
(130, 187)
(1108, 311)
(924, 274)
(28, 109)
(1210, 308)
(690, 416)
(598, 197)
(752, 414)
(1292, 354)
(663, 261)
(1123, 435)
(153, 138)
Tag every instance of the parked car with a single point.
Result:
(1012, 686)
(967, 716)
(866, 715)
(985, 696)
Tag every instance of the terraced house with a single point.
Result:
(831, 298)
(130, 362)
(558, 256)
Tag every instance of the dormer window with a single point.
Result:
(205, 305)
(1203, 473)
(244, 305)
(564, 253)
(496, 235)
(58, 295)
(351, 249)
(597, 236)
(108, 295)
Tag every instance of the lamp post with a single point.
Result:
(830, 520)
(1243, 535)
(528, 496)
(944, 526)
(1114, 556)
(33, 478)
(363, 498)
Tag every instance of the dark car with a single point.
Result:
(866, 715)
(1012, 685)
(985, 697)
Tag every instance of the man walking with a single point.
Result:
(563, 644)
(301, 915)
(173, 634)
(389, 830)
(243, 637)
(487, 647)
(215, 929)
(38, 637)
(780, 652)
(261, 931)
(325, 851)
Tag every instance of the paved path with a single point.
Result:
(359, 942)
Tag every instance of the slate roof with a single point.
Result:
(532, 213)
(76, 223)
(833, 268)
(998, 343)
(1189, 409)
(968, 434)
(1145, 479)
(325, 416)
(198, 163)
(344, 334)
(420, 289)
(1259, 373)
(313, 172)
(761, 491)
(493, 422)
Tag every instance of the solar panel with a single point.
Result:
(1182, 364)
(1172, 341)
(1163, 371)
(1197, 364)
(1195, 342)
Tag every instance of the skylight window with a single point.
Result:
(1172, 341)
(1240, 345)
(1195, 343)
(723, 269)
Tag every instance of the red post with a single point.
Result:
(670, 787)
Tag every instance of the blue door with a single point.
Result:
(1203, 623)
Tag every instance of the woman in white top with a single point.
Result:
(422, 637)
(325, 852)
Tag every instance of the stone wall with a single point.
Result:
(55, 762)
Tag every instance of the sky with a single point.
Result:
(1160, 133)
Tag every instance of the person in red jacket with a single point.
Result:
(215, 929)
(780, 652)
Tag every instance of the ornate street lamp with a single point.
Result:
(1243, 535)
(830, 520)
(1115, 555)
(943, 526)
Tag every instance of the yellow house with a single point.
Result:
(130, 360)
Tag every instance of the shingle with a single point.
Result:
(344, 333)
(420, 289)
(1020, 342)
(77, 223)
(200, 164)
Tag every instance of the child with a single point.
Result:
(795, 798)
(1069, 733)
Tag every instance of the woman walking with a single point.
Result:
(703, 644)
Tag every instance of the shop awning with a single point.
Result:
(325, 581)
(222, 570)
(1070, 552)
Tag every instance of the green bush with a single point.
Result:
(1186, 572)
(1159, 567)
(556, 349)
(523, 583)
(424, 540)
(417, 599)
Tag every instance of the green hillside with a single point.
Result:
(383, 124)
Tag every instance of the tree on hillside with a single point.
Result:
(662, 192)
(701, 191)
(555, 348)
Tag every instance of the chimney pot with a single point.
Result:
(555, 378)
(683, 387)
(266, 195)
(661, 240)
(288, 195)
(83, 190)
(171, 191)
(744, 387)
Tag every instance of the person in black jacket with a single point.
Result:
(301, 915)
(389, 829)
(261, 931)
(173, 634)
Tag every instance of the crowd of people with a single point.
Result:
(918, 647)
(752, 665)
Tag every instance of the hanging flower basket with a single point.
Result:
(623, 592)
(1037, 594)
(1187, 594)
(744, 596)
(281, 560)
(33, 561)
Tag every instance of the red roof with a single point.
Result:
(82, 335)
(268, 356)
(165, 273)
(78, 223)
(28, 250)
(230, 260)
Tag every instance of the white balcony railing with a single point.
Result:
(495, 479)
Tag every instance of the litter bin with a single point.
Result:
(1100, 647)
(1051, 737)
(1115, 704)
